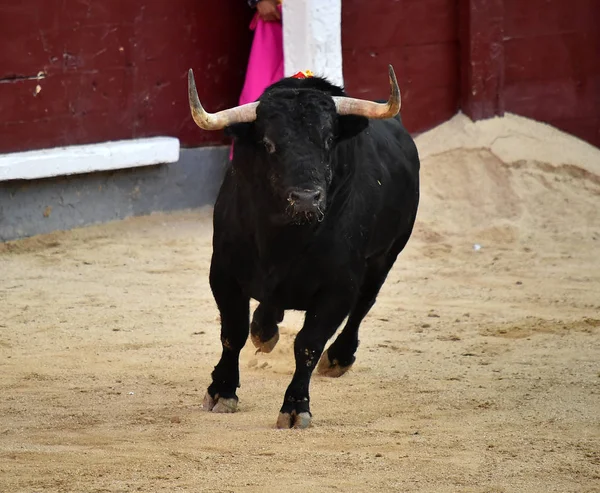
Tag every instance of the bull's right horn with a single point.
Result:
(222, 119)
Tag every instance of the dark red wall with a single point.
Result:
(552, 63)
(420, 39)
(116, 69)
(537, 58)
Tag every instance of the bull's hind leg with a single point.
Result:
(234, 308)
(263, 330)
(339, 357)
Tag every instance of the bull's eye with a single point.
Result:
(328, 142)
(269, 146)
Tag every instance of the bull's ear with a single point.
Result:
(240, 131)
(351, 125)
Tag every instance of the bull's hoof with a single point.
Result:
(300, 421)
(219, 404)
(264, 347)
(331, 369)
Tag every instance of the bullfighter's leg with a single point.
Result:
(234, 308)
(321, 322)
(263, 329)
(339, 357)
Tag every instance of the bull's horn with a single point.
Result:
(370, 109)
(217, 121)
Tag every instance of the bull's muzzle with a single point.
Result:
(306, 205)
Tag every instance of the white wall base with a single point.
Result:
(105, 156)
(312, 38)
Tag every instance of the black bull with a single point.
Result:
(312, 214)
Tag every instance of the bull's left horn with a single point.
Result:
(217, 121)
(370, 109)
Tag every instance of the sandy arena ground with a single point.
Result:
(478, 370)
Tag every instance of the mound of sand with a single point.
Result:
(507, 179)
(512, 139)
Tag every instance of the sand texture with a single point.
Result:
(478, 369)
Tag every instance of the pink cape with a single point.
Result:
(265, 64)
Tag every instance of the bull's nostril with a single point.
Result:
(307, 201)
(304, 195)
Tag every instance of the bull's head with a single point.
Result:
(296, 128)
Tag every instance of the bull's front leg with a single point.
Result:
(234, 308)
(264, 331)
(321, 321)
